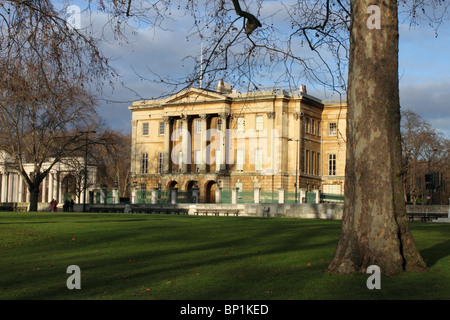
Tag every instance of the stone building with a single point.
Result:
(214, 141)
(64, 181)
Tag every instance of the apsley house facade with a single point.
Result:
(205, 143)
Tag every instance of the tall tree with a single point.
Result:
(374, 227)
(45, 71)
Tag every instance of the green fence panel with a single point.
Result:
(310, 197)
(225, 196)
(143, 197)
(163, 197)
(268, 197)
(246, 197)
(289, 197)
(184, 197)
(331, 197)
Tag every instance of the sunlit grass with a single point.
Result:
(137, 256)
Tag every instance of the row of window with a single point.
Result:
(311, 163)
(311, 126)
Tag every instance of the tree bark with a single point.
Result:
(34, 197)
(374, 225)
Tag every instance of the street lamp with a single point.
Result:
(296, 168)
(431, 184)
(85, 168)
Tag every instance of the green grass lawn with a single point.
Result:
(137, 256)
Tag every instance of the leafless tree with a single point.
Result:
(46, 68)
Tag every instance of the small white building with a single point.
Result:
(64, 181)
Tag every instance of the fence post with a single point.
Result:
(234, 195)
(195, 194)
(218, 190)
(317, 196)
(281, 195)
(173, 195)
(302, 196)
(154, 195)
(256, 194)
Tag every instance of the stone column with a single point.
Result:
(167, 134)
(224, 152)
(4, 197)
(20, 193)
(50, 186)
(10, 187)
(281, 195)
(186, 144)
(44, 190)
(204, 157)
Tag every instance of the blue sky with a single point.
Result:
(424, 70)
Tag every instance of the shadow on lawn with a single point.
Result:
(435, 253)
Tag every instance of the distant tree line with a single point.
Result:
(425, 161)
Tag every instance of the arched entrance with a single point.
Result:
(172, 184)
(190, 184)
(210, 192)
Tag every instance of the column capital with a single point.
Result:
(185, 117)
(205, 116)
(271, 114)
(167, 119)
(224, 114)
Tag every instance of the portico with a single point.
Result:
(60, 183)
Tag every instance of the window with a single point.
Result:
(313, 126)
(332, 164)
(219, 124)
(332, 129)
(198, 126)
(160, 162)
(306, 162)
(145, 129)
(144, 164)
(161, 128)
(259, 122)
(332, 188)
(240, 124)
(258, 160)
(318, 128)
(239, 160)
(307, 125)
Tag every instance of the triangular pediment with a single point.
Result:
(194, 95)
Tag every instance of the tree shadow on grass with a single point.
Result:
(435, 253)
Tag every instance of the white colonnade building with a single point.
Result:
(65, 180)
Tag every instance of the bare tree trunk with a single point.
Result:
(34, 198)
(374, 226)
